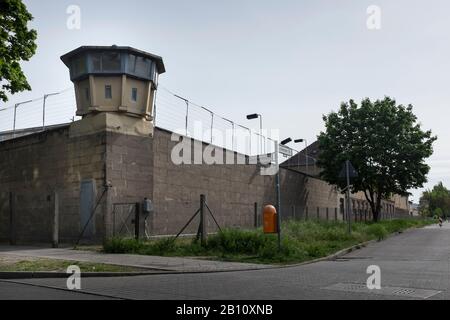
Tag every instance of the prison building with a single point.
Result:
(85, 179)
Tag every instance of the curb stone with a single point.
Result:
(48, 275)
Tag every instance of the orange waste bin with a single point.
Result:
(270, 219)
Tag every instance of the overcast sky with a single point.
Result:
(291, 61)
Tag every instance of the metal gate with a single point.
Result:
(124, 215)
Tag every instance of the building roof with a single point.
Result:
(311, 153)
(158, 60)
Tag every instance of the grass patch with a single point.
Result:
(51, 265)
(301, 241)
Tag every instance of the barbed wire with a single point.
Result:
(173, 112)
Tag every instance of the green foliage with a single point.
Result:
(122, 245)
(377, 231)
(436, 201)
(301, 241)
(17, 43)
(50, 265)
(239, 241)
(383, 141)
(438, 212)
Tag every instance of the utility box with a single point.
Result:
(147, 206)
(270, 219)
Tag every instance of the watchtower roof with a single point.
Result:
(157, 59)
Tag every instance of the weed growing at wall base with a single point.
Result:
(302, 241)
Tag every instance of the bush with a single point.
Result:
(238, 241)
(159, 247)
(301, 241)
(378, 231)
(122, 245)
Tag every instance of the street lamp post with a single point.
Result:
(256, 116)
(277, 186)
(278, 194)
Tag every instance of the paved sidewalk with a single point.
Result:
(171, 264)
(414, 265)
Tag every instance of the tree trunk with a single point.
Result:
(375, 204)
(376, 215)
(377, 209)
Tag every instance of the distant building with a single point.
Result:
(306, 162)
(414, 209)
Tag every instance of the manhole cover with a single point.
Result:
(388, 291)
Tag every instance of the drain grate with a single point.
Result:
(404, 292)
(388, 291)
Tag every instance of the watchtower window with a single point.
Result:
(79, 66)
(111, 61)
(108, 92)
(106, 62)
(134, 94)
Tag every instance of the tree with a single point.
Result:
(384, 143)
(17, 43)
(436, 201)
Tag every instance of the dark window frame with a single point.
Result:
(134, 94)
(108, 92)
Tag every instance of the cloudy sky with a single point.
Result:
(291, 61)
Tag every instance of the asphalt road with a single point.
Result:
(414, 265)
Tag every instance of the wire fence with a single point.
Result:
(172, 112)
(183, 116)
(50, 109)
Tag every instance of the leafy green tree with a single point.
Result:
(385, 144)
(436, 201)
(17, 43)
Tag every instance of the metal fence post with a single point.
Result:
(202, 220)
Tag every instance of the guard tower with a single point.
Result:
(114, 87)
